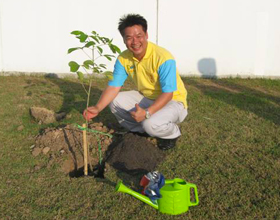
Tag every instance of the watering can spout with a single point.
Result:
(122, 188)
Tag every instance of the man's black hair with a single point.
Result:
(131, 20)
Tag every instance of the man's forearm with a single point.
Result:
(160, 102)
(107, 96)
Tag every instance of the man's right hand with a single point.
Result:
(90, 112)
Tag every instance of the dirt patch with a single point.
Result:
(128, 152)
(134, 154)
(65, 146)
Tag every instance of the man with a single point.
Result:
(160, 102)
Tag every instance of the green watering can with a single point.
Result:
(176, 196)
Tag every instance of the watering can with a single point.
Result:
(175, 200)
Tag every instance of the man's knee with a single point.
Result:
(160, 129)
(150, 127)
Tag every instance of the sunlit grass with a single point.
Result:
(230, 149)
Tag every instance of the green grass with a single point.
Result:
(230, 149)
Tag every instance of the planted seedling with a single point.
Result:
(94, 47)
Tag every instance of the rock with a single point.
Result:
(46, 150)
(59, 116)
(43, 115)
(20, 128)
(36, 151)
(104, 129)
(106, 142)
(37, 167)
(99, 128)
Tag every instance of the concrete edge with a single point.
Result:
(54, 75)
(73, 75)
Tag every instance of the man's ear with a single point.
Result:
(147, 36)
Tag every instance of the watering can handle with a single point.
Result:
(195, 193)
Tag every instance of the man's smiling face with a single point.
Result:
(136, 40)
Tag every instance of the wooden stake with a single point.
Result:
(85, 150)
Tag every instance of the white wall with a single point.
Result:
(207, 37)
(218, 37)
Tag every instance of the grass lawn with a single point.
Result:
(230, 148)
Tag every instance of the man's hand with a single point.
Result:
(90, 112)
(139, 114)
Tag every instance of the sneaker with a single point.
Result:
(166, 144)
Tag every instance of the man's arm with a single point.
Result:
(160, 102)
(106, 97)
(168, 83)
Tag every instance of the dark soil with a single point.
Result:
(127, 153)
(134, 154)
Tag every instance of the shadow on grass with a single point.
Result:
(256, 101)
(74, 96)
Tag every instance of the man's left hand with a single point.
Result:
(139, 114)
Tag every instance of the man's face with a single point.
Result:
(136, 40)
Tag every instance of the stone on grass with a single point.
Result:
(46, 116)
(46, 150)
(36, 151)
(20, 128)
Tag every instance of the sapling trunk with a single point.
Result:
(91, 42)
(85, 150)
(88, 98)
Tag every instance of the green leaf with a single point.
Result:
(95, 38)
(73, 66)
(108, 57)
(86, 66)
(73, 49)
(112, 48)
(89, 44)
(103, 66)
(82, 37)
(80, 75)
(96, 70)
(93, 32)
(89, 62)
(100, 49)
(116, 48)
(101, 39)
(76, 32)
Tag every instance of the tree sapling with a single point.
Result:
(93, 47)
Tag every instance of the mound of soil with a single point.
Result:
(128, 152)
(65, 146)
(134, 154)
